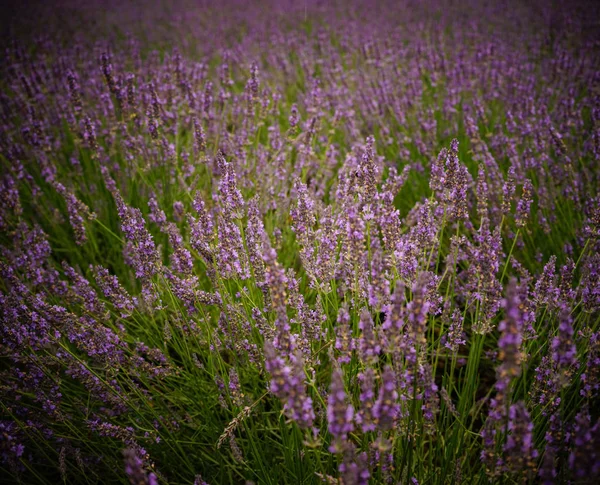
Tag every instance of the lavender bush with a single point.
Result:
(340, 242)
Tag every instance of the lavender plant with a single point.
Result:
(300, 242)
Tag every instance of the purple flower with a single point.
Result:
(74, 90)
(340, 414)
(112, 289)
(584, 458)
(78, 213)
(83, 293)
(482, 194)
(546, 292)
(519, 452)
(589, 286)
(11, 447)
(303, 214)
(417, 310)
(564, 352)
(481, 284)
(452, 180)
(294, 117)
(232, 259)
(368, 343)
(288, 384)
(199, 136)
(256, 241)
(230, 197)
(365, 416)
(354, 469)
(344, 342)
(510, 340)
(135, 468)
(508, 191)
(455, 336)
(394, 316)
(277, 282)
(524, 204)
(202, 232)
(140, 250)
(386, 408)
(591, 376)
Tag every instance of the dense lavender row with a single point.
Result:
(298, 242)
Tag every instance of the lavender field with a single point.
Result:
(300, 242)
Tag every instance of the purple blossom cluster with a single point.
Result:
(355, 242)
